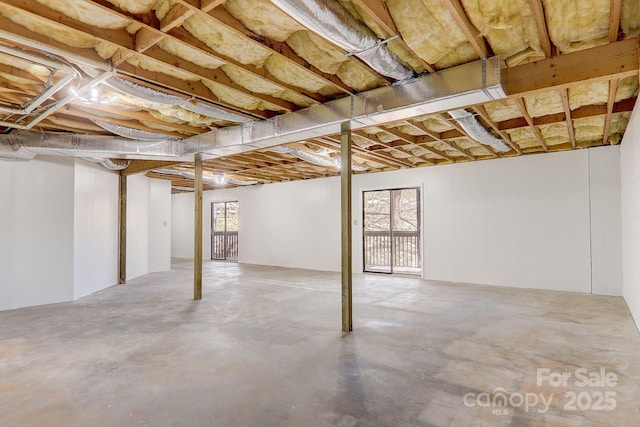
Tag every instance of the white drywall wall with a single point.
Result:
(606, 223)
(148, 225)
(96, 228)
(36, 232)
(138, 188)
(630, 184)
(522, 221)
(159, 222)
(293, 224)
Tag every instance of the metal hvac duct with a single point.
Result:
(18, 143)
(329, 19)
(475, 130)
(449, 89)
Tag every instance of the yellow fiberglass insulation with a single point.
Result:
(259, 85)
(87, 13)
(55, 31)
(37, 71)
(317, 51)
(434, 124)
(630, 17)
(239, 99)
(627, 88)
(357, 76)
(619, 122)
(430, 30)
(509, 26)
(524, 137)
(362, 142)
(151, 64)
(331, 60)
(541, 104)
(577, 24)
(587, 94)
(189, 53)
(167, 128)
(287, 72)
(503, 109)
(589, 128)
(135, 6)
(225, 41)
(479, 151)
(554, 133)
(393, 45)
(466, 143)
(264, 18)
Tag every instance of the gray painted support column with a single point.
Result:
(197, 232)
(345, 192)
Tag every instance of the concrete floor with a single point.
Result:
(264, 348)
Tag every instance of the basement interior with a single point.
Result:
(319, 212)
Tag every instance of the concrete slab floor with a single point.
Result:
(264, 348)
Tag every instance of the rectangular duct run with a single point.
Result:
(469, 84)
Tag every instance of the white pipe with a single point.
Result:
(58, 105)
(70, 74)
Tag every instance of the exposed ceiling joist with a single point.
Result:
(474, 37)
(564, 93)
(527, 117)
(541, 23)
(613, 86)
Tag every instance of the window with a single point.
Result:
(224, 231)
(391, 235)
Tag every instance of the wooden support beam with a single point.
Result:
(474, 37)
(538, 13)
(564, 93)
(613, 86)
(197, 229)
(614, 20)
(122, 220)
(140, 166)
(527, 117)
(614, 60)
(345, 192)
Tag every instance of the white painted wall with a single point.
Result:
(148, 225)
(36, 232)
(95, 228)
(606, 223)
(522, 222)
(630, 177)
(159, 223)
(292, 224)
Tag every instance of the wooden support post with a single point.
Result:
(122, 219)
(197, 251)
(345, 187)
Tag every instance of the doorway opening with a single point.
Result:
(391, 231)
(224, 231)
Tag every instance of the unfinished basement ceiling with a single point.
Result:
(181, 68)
